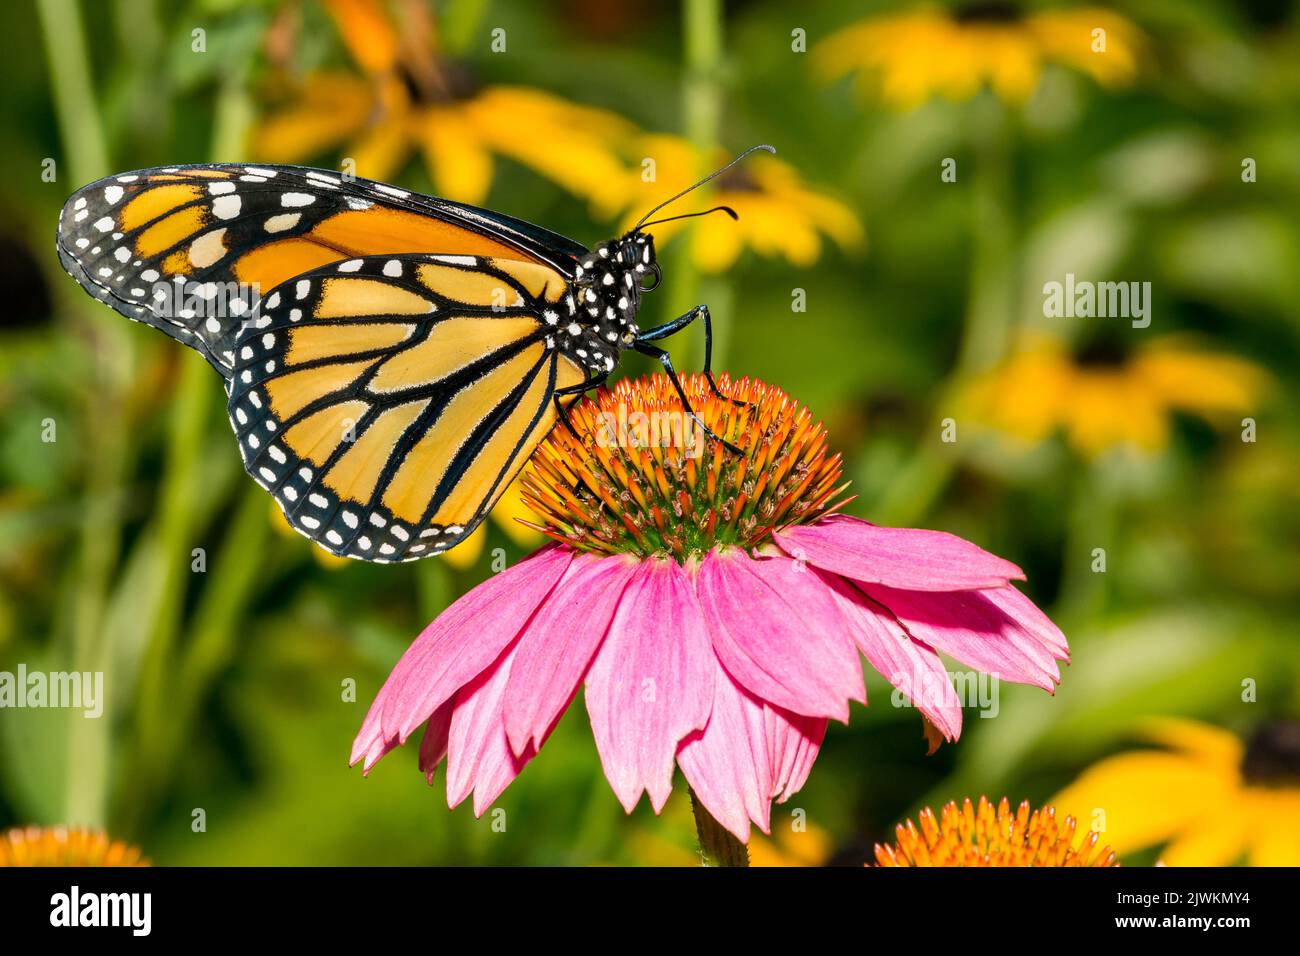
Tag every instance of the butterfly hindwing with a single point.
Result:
(190, 249)
(387, 401)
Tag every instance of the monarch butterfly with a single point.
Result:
(408, 353)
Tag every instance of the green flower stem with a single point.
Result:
(75, 105)
(1092, 523)
(702, 91)
(990, 311)
(176, 539)
(433, 587)
(176, 529)
(702, 97)
(215, 628)
(85, 794)
(718, 847)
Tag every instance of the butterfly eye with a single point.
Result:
(655, 275)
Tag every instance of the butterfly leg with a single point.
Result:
(581, 388)
(679, 323)
(664, 359)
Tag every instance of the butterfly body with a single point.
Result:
(599, 318)
(390, 359)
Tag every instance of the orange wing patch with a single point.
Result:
(310, 343)
(315, 437)
(409, 493)
(293, 392)
(269, 265)
(356, 296)
(450, 346)
(356, 473)
(155, 203)
(157, 244)
(382, 231)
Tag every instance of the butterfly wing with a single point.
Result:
(190, 249)
(387, 401)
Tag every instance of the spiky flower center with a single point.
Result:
(638, 476)
(65, 846)
(983, 836)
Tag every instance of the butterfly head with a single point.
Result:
(624, 262)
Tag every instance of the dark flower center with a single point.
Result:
(1104, 351)
(442, 81)
(990, 11)
(1273, 755)
(736, 180)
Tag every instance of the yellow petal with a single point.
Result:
(366, 30)
(332, 107)
(1216, 839)
(380, 152)
(574, 146)
(714, 247)
(1205, 742)
(459, 164)
(811, 846)
(1147, 797)
(1201, 382)
(1274, 816)
(1106, 411)
(507, 512)
(1067, 36)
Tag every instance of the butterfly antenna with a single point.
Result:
(691, 215)
(713, 175)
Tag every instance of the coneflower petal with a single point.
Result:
(968, 626)
(651, 683)
(910, 558)
(455, 648)
(777, 630)
(558, 644)
(479, 757)
(793, 742)
(914, 668)
(433, 745)
(727, 764)
(1029, 616)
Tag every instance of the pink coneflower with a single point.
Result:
(713, 606)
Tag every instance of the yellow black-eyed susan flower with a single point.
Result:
(406, 98)
(1102, 398)
(1207, 797)
(780, 215)
(911, 56)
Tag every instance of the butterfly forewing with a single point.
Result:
(387, 401)
(190, 249)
